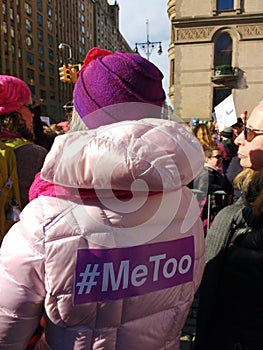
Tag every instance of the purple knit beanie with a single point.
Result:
(112, 78)
(14, 93)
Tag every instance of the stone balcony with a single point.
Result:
(223, 74)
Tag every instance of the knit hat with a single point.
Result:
(14, 93)
(194, 121)
(227, 132)
(112, 78)
(238, 123)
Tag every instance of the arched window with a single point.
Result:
(223, 50)
(223, 47)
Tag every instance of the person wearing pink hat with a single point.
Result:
(111, 246)
(16, 131)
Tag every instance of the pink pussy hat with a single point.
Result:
(14, 93)
(112, 78)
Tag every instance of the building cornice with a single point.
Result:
(216, 20)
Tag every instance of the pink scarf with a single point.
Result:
(42, 187)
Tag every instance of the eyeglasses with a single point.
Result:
(30, 106)
(68, 107)
(249, 133)
(218, 156)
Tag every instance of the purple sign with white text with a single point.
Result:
(111, 274)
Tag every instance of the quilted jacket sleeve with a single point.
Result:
(219, 232)
(22, 290)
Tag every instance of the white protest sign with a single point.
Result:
(45, 120)
(226, 113)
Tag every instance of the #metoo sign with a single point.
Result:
(111, 274)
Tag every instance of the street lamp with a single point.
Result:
(148, 46)
(61, 46)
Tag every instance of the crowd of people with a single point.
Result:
(215, 187)
(126, 217)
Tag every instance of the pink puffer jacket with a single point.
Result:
(113, 261)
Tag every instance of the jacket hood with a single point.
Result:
(144, 155)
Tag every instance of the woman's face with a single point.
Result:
(216, 159)
(26, 114)
(250, 143)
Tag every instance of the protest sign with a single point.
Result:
(226, 113)
(45, 120)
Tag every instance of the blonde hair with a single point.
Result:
(203, 134)
(76, 123)
(257, 183)
(243, 179)
(250, 182)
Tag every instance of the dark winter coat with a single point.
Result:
(233, 170)
(228, 149)
(215, 185)
(231, 305)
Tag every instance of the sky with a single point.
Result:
(133, 15)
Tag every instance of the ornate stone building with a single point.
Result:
(216, 49)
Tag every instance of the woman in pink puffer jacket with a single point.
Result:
(110, 252)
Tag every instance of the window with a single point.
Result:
(51, 68)
(40, 50)
(225, 4)
(51, 82)
(41, 65)
(12, 32)
(50, 40)
(5, 27)
(39, 4)
(40, 34)
(49, 11)
(28, 9)
(82, 51)
(50, 54)
(172, 73)
(11, 11)
(28, 25)
(4, 9)
(30, 73)
(30, 58)
(223, 50)
(39, 20)
(49, 25)
(29, 42)
(42, 79)
(6, 47)
(43, 94)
